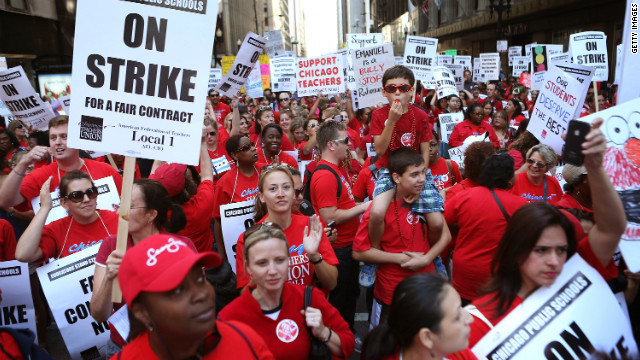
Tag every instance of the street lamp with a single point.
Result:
(499, 6)
(239, 43)
(406, 31)
(215, 46)
(414, 30)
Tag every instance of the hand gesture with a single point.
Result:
(396, 111)
(113, 264)
(234, 102)
(38, 153)
(594, 146)
(313, 318)
(312, 236)
(45, 195)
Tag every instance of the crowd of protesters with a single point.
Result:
(378, 191)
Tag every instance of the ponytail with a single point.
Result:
(379, 344)
(178, 219)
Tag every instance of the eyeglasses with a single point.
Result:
(264, 108)
(392, 88)
(300, 191)
(284, 99)
(246, 147)
(338, 118)
(212, 133)
(344, 141)
(538, 164)
(260, 226)
(77, 196)
(214, 95)
(19, 126)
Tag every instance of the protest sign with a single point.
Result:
(3, 63)
(274, 44)
(464, 60)
(141, 93)
(622, 163)
(457, 154)
(67, 284)
(369, 64)
(235, 218)
(444, 60)
(629, 86)
(444, 81)
(215, 75)
(420, 56)
(619, 50)
(590, 48)
(552, 321)
(283, 73)
(539, 66)
(16, 308)
(323, 74)
(458, 75)
(478, 74)
(556, 105)
(226, 63)
(447, 123)
(65, 101)
(245, 60)
(398, 60)
(253, 86)
(513, 52)
(559, 58)
(490, 63)
(525, 79)
(452, 52)
(108, 199)
(527, 49)
(358, 41)
(22, 101)
(220, 165)
(520, 64)
(265, 71)
(501, 46)
(583, 74)
(371, 149)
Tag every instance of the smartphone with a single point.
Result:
(572, 153)
(332, 224)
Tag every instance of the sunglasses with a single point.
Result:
(214, 95)
(264, 108)
(538, 164)
(260, 226)
(246, 147)
(300, 191)
(313, 125)
(19, 126)
(212, 133)
(78, 196)
(392, 88)
(344, 141)
(284, 99)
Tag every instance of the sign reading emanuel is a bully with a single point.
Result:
(141, 91)
(369, 64)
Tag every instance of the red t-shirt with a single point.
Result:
(497, 104)
(246, 188)
(324, 189)
(518, 159)
(232, 345)
(7, 241)
(62, 237)
(300, 269)
(221, 111)
(460, 187)
(402, 129)
(388, 276)
(198, 210)
(484, 304)
(481, 225)
(354, 138)
(365, 184)
(283, 157)
(299, 146)
(465, 129)
(515, 122)
(568, 202)
(441, 176)
(32, 183)
(525, 188)
(287, 336)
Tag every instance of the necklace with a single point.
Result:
(236, 182)
(69, 228)
(393, 143)
(404, 239)
(81, 166)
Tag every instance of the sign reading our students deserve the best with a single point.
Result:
(141, 91)
(571, 319)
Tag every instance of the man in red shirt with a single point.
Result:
(220, 109)
(19, 187)
(492, 97)
(333, 142)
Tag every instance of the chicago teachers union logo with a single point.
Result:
(91, 128)
(406, 139)
(287, 330)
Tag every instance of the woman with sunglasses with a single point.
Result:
(20, 131)
(309, 255)
(265, 116)
(151, 212)
(534, 184)
(85, 226)
(215, 147)
(272, 137)
(274, 307)
(240, 184)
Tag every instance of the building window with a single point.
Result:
(17, 4)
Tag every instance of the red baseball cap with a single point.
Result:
(159, 263)
(171, 176)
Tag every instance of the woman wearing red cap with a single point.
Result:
(172, 306)
(275, 307)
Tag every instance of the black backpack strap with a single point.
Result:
(243, 336)
(374, 170)
(544, 196)
(307, 296)
(451, 173)
(504, 212)
(307, 189)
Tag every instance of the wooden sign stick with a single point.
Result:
(595, 95)
(123, 218)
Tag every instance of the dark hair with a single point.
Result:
(474, 156)
(259, 114)
(359, 114)
(58, 120)
(516, 104)
(233, 143)
(504, 115)
(417, 303)
(400, 159)
(42, 137)
(435, 135)
(271, 126)
(69, 177)
(398, 72)
(328, 131)
(470, 109)
(497, 171)
(569, 186)
(156, 198)
(12, 137)
(524, 142)
(520, 237)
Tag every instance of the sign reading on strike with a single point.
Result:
(140, 92)
(320, 74)
(445, 82)
(464, 60)
(420, 56)
(369, 64)
(22, 101)
(16, 308)
(458, 75)
(248, 55)
(520, 64)
(590, 48)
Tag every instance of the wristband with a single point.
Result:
(21, 175)
(328, 337)
(317, 261)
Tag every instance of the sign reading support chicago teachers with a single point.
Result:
(141, 92)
